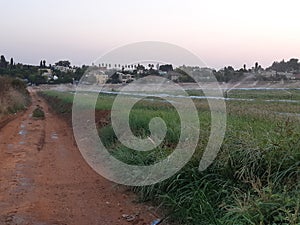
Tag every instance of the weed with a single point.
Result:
(38, 113)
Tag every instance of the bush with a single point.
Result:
(5, 84)
(38, 113)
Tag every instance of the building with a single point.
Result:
(269, 74)
(101, 78)
(125, 78)
(64, 69)
(48, 73)
(173, 76)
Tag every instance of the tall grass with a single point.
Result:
(254, 180)
(13, 95)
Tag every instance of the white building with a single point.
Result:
(64, 69)
(101, 78)
(125, 78)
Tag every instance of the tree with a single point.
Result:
(11, 62)
(290, 66)
(114, 78)
(245, 67)
(140, 67)
(293, 65)
(64, 63)
(3, 62)
(228, 74)
(44, 63)
(183, 75)
(166, 68)
(41, 64)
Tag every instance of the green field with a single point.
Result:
(256, 176)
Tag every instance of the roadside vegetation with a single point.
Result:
(38, 113)
(13, 96)
(255, 178)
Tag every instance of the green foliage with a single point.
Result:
(254, 180)
(64, 63)
(5, 84)
(59, 101)
(3, 62)
(38, 113)
(184, 76)
(33, 74)
(13, 95)
(290, 66)
(16, 107)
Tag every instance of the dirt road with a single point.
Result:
(44, 180)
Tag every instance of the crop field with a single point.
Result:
(255, 178)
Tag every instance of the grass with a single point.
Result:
(14, 96)
(38, 113)
(255, 178)
(257, 94)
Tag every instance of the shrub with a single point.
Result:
(38, 113)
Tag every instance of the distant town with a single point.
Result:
(64, 72)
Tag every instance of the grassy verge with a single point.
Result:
(254, 180)
(13, 96)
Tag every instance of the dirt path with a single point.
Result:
(44, 180)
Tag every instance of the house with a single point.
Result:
(48, 73)
(64, 69)
(125, 78)
(101, 78)
(268, 74)
(173, 75)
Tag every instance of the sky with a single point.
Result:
(219, 32)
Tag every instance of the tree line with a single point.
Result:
(34, 74)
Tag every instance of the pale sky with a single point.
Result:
(219, 32)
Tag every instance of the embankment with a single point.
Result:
(14, 97)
